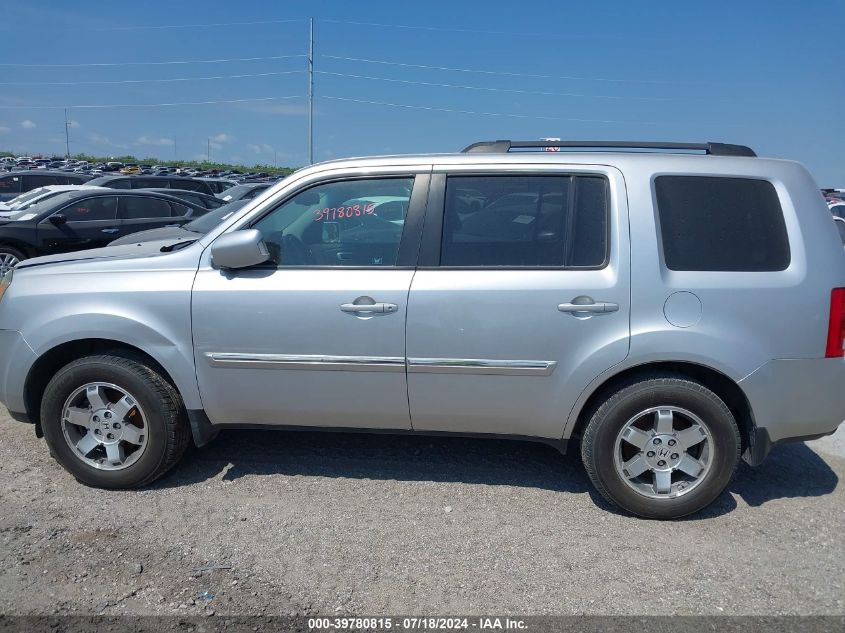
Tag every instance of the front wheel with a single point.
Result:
(661, 448)
(113, 422)
(9, 258)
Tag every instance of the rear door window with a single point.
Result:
(32, 181)
(188, 185)
(139, 208)
(720, 223)
(525, 221)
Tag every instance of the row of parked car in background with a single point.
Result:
(48, 212)
(12, 163)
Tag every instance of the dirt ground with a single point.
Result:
(310, 523)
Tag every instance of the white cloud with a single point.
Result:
(151, 140)
(106, 141)
(214, 145)
(222, 137)
(263, 148)
(4, 129)
(73, 124)
(27, 124)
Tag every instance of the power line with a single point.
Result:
(142, 81)
(499, 114)
(192, 26)
(189, 61)
(433, 28)
(511, 90)
(497, 72)
(144, 105)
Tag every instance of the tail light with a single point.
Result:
(836, 325)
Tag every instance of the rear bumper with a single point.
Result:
(794, 400)
(16, 359)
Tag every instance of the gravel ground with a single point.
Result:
(338, 523)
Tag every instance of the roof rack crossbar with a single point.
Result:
(714, 149)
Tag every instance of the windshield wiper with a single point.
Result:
(176, 246)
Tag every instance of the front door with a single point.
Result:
(88, 223)
(521, 299)
(316, 338)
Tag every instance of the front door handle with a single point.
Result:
(378, 308)
(601, 307)
(111, 230)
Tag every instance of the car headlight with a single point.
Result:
(5, 282)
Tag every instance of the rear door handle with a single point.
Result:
(379, 308)
(111, 231)
(593, 308)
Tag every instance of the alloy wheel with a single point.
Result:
(663, 452)
(104, 426)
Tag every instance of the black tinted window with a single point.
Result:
(75, 180)
(122, 183)
(91, 209)
(39, 180)
(180, 210)
(10, 184)
(148, 183)
(188, 185)
(136, 208)
(517, 221)
(721, 224)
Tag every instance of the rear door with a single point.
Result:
(521, 297)
(139, 213)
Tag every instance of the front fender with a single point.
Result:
(155, 340)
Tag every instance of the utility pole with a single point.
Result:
(208, 150)
(67, 137)
(311, 92)
(275, 155)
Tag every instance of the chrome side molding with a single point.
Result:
(481, 366)
(318, 362)
(321, 362)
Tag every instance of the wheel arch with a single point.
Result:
(51, 361)
(23, 247)
(718, 382)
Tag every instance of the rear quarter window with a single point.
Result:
(717, 223)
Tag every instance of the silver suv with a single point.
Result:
(666, 311)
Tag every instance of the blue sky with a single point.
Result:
(767, 74)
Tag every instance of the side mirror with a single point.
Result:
(239, 249)
(58, 219)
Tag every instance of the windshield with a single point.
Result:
(22, 199)
(40, 206)
(211, 219)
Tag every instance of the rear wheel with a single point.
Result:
(9, 258)
(113, 422)
(661, 448)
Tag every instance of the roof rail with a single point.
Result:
(714, 149)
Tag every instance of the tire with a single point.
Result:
(9, 257)
(156, 423)
(610, 459)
